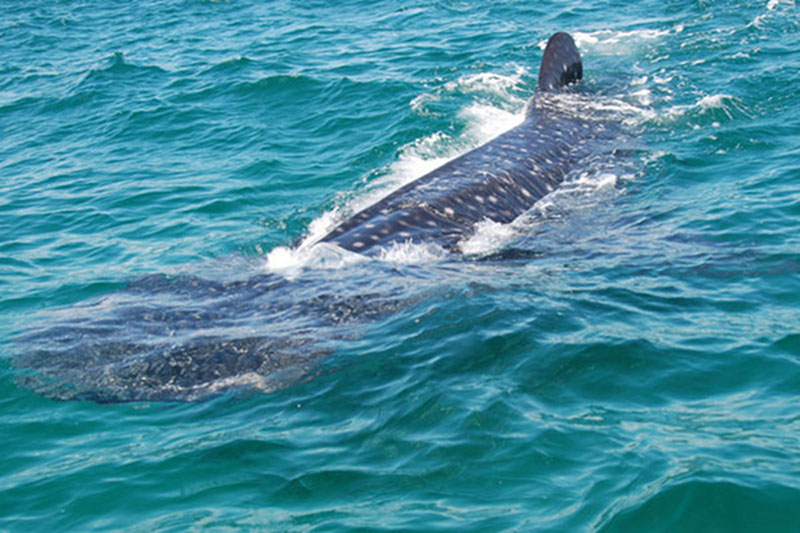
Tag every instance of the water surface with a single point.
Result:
(623, 358)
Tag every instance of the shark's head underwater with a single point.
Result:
(497, 181)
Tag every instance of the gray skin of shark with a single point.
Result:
(497, 181)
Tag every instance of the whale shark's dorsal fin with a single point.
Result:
(561, 63)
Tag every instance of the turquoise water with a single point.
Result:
(623, 358)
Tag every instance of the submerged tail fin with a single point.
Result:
(561, 63)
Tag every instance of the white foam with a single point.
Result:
(597, 181)
(487, 122)
(714, 100)
(503, 110)
(407, 252)
(488, 237)
(290, 262)
(583, 190)
(772, 5)
(611, 42)
(418, 104)
(724, 102)
(483, 82)
(321, 226)
(643, 96)
(605, 108)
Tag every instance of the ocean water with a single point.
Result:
(177, 353)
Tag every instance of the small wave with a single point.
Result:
(716, 100)
(489, 236)
(709, 109)
(296, 84)
(487, 83)
(702, 504)
(610, 108)
(229, 66)
(290, 262)
(612, 42)
(501, 91)
(408, 252)
(772, 7)
(117, 70)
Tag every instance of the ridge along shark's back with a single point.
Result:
(497, 181)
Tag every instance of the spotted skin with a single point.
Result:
(497, 181)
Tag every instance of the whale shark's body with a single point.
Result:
(497, 181)
(186, 338)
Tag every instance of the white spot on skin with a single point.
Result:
(358, 244)
(493, 199)
(449, 211)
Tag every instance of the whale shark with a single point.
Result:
(497, 181)
(184, 338)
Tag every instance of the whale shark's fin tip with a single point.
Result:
(561, 63)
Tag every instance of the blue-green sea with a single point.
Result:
(177, 353)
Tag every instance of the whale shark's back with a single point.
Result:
(497, 181)
(561, 63)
